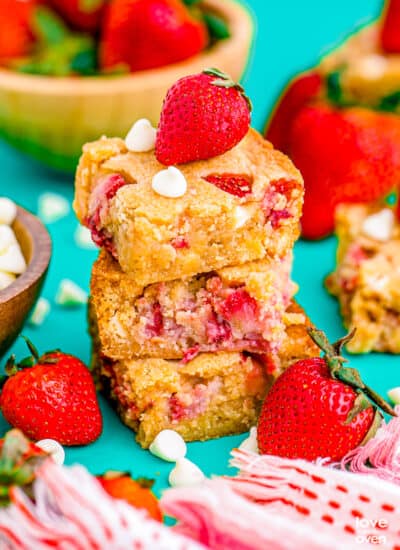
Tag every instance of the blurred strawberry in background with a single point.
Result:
(83, 15)
(144, 34)
(16, 28)
(390, 31)
(344, 155)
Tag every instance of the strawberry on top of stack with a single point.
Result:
(88, 37)
(345, 142)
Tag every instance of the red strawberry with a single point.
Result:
(348, 155)
(84, 15)
(299, 92)
(390, 30)
(136, 492)
(144, 34)
(237, 185)
(51, 397)
(319, 408)
(203, 115)
(16, 37)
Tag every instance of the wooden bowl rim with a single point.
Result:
(239, 20)
(40, 260)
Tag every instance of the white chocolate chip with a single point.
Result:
(141, 137)
(250, 443)
(52, 207)
(40, 312)
(6, 279)
(372, 66)
(55, 450)
(12, 260)
(69, 294)
(185, 474)
(379, 226)
(394, 395)
(168, 445)
(242, 215)
(170, 183)
(7, 238)
(8, 211)
(83, 238)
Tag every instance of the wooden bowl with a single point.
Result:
(51, 118)
(17, 300)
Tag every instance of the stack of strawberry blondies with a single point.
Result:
(191, 310)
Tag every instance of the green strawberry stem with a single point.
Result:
(350, 376)
(225, 81)
(18, 464)
(12, 367)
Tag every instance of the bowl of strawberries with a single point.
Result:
(71, 70)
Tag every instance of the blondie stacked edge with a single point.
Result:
(192, 312)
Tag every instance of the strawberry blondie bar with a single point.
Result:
(231, 309)
(360, 72)
(239, 207)
(214, 395)
(367, 277)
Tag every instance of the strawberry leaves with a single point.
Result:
(19, 460)
(350, 376)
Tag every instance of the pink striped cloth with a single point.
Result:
(71, 511)
(281, 504)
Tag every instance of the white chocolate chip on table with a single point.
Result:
(40, 312)
(69, 294)
(394, 395)
(250, 443)
(168, 445)
(141, 137)
(185, 474)
(53, 447)
(169, 183)
(83, 238)
(52, 207)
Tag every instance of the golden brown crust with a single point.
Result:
(143, 225)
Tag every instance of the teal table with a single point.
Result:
(291, 35)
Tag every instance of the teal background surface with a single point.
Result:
(290, 37)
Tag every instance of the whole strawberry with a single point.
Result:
(143, 34)
(299, 92)
(136, 492)
(52, 396)
(16, 28)
(390, 35)
(344, 155)
(319, 408)
(203, 115)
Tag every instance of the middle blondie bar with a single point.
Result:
(231, 309)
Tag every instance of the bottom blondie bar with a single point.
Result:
(367, 277)
(213, 395)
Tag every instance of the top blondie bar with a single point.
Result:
(240, 206)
